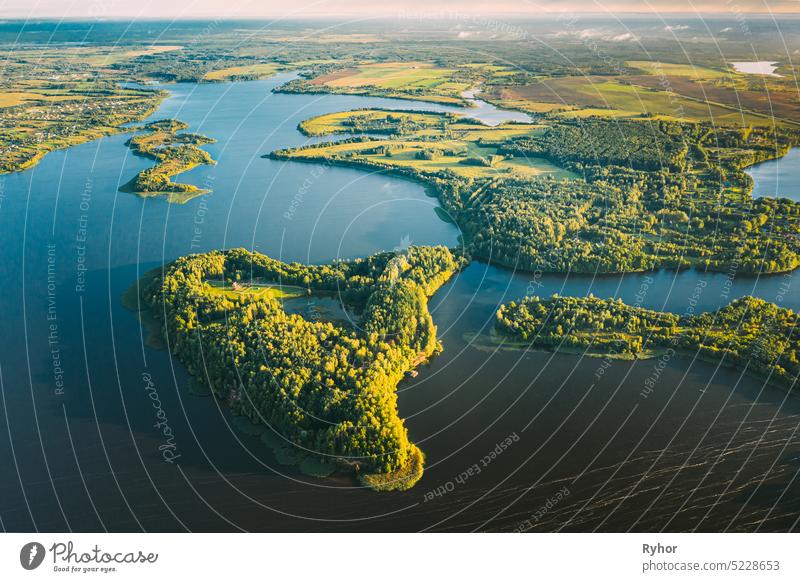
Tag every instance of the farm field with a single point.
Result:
(372, 121)
(668, 91)
(404, 80)
(429, 143)
(253, 290)
(584, 96)
(242, 73)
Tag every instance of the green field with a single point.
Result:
(432, 143)
(572, 97)
(254, 290)
(371, 121)
(681, 70)
(403, 80)
(248, 72)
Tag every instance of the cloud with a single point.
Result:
(593, 33)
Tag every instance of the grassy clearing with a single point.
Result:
(249, 72)
(255, 290)
(697, 72)
(152, 50)
(401, 76)
(372, 121)
(12, 98)
(430, 143)
(406, 153)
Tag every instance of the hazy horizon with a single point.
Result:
(349, 9)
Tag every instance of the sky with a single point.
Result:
(371, 8)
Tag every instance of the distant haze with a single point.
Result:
(355, 9)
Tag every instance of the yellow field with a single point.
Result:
(427, 124)
(672, 69)
(405, 155)
(419, 80)
(337, 122)
(392, 76)
(257, 290)
(586, 96)
(439, 142)
(259, 70)
(152, 50)
(11, 98)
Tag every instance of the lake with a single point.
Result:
(778, 178)
(89, 409)
(757, 68)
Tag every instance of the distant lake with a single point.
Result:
(490, 114)
(757, 68)
(779, 178)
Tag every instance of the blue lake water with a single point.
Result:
(778, 178)
(81, 437)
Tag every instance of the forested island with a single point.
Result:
(749, 333)
(175, 152)
(323, 388)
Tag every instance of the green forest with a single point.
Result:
(325, 388)
(748, 333)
